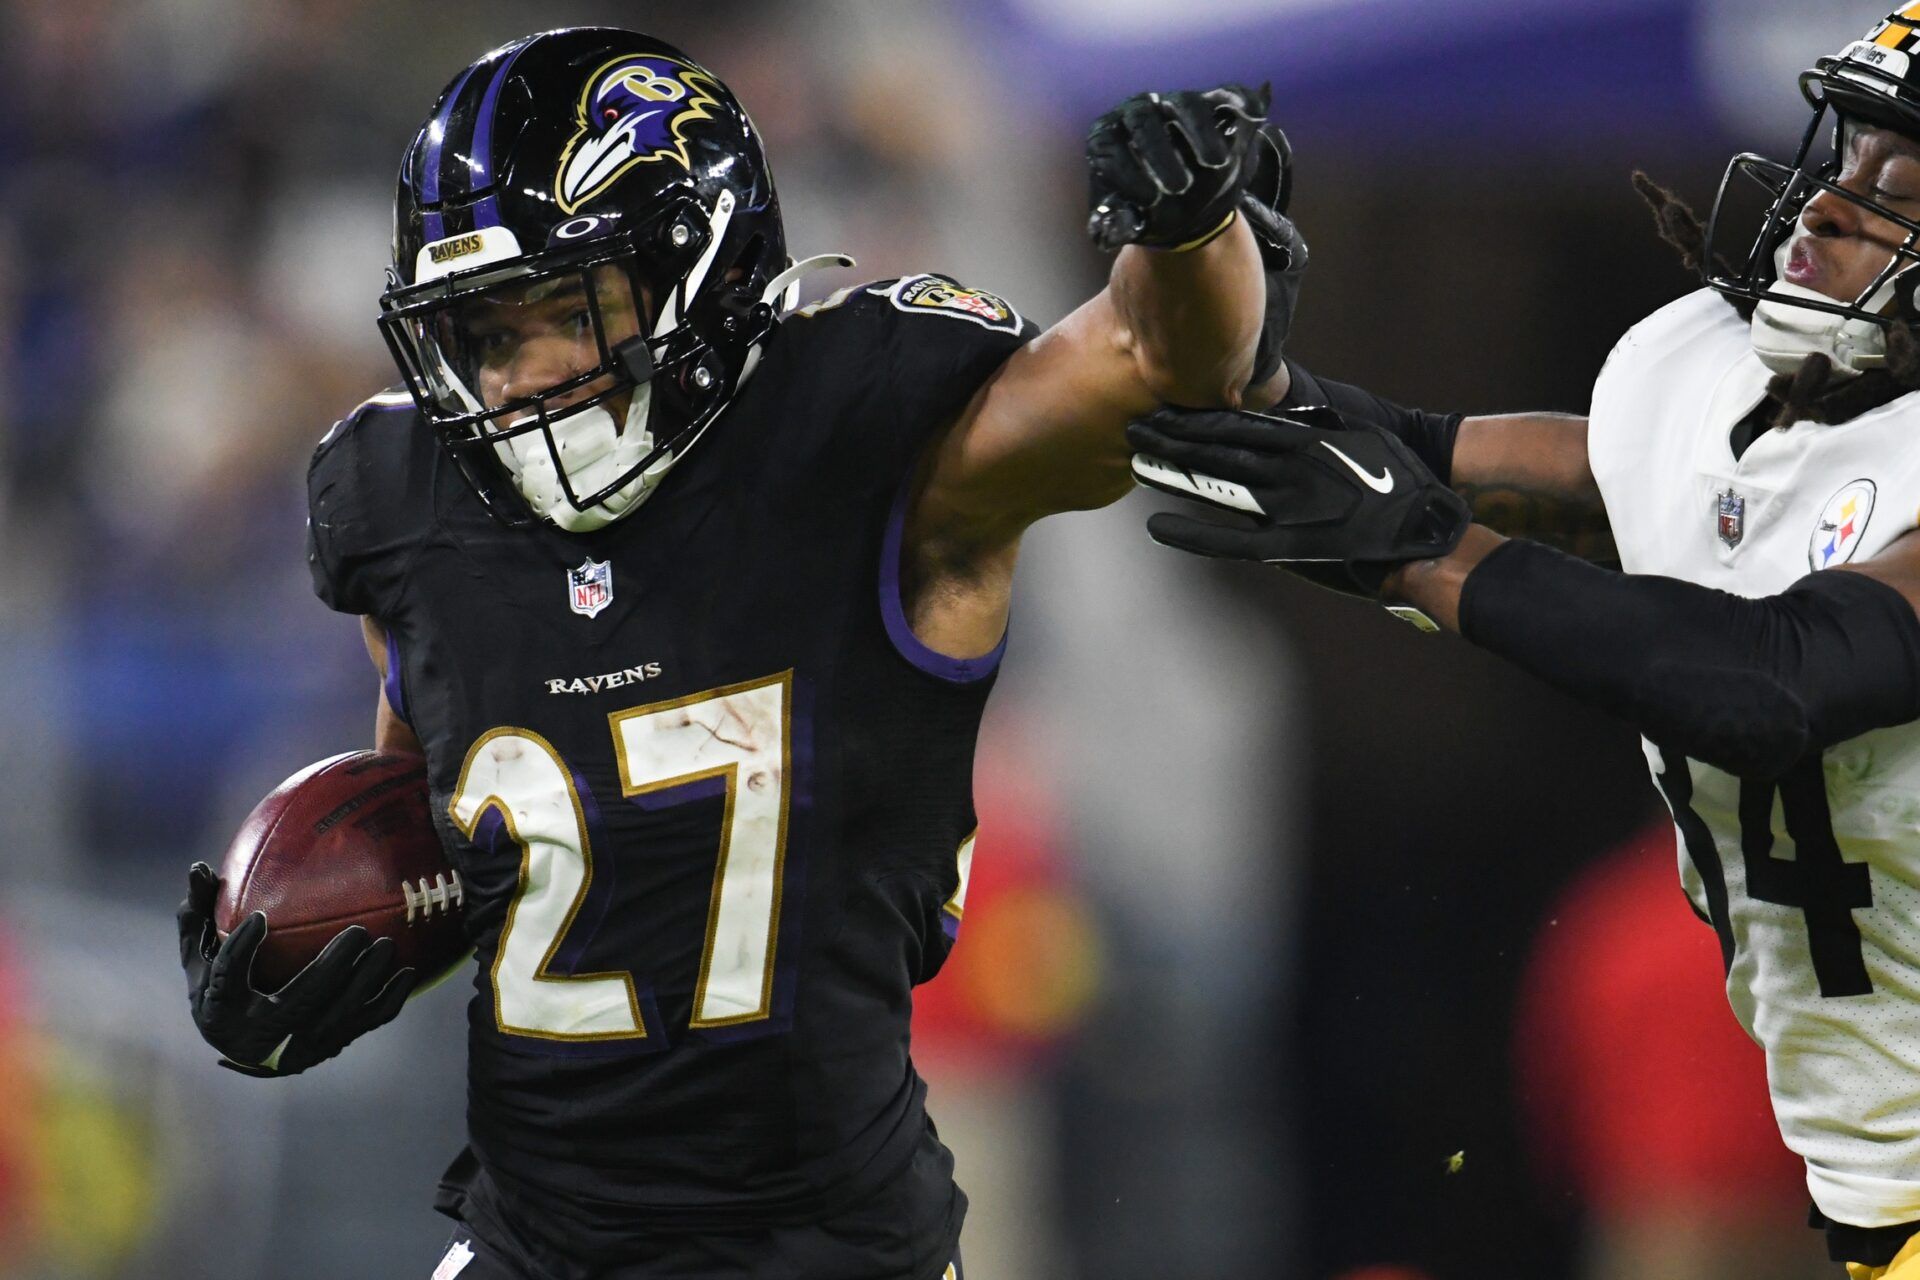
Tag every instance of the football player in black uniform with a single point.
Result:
(692, 602)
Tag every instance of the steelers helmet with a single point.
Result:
(1873, 81)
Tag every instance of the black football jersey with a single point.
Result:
(704, 790)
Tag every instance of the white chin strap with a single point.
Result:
(590, 451)
(1785, 333)
(593, 455)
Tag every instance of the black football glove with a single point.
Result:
(1341, 507)
(1283, 251)
(1166, 170)
(348, 990)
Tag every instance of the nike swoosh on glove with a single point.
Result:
(1341, 506)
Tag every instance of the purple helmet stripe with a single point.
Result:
(430, 163)
(487, 213)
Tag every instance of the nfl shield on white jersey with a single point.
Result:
(1814, 880)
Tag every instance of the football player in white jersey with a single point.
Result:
(1753, 451)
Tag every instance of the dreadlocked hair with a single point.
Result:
(1680, 227)
(1816, 392)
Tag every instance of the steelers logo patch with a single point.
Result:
(1842, 525)
(941, 296)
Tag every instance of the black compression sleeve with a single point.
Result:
(1749, 686)
(1429, 435)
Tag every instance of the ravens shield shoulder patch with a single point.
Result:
(938, 295)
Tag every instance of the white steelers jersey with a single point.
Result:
(1813, 882)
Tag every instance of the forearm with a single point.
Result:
(1750, 686)
(1191, 319)
(1434, 586)
(1527, 476)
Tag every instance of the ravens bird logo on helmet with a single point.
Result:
(634, 110)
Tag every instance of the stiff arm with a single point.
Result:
(1047, 433)
(1525, 474)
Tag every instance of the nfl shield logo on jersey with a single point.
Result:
(590, 587)
(1733, 517)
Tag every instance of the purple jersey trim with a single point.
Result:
(894, 614)
(396, 696)
(684, 793)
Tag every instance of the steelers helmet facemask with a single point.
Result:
(1874, 81)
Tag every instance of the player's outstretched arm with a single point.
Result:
(1524, 474)
(1179, 321)
(1751, 686)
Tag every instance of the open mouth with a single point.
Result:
(1802, 267)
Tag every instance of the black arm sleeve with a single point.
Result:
(1429, 435)
(1749, 686)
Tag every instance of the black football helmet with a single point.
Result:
(609, 167)
(1873, 81)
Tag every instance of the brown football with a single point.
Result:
(348, 840)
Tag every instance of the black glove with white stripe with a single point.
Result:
(1341, 506)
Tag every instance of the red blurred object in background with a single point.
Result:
(17, 1117)
(1644, 1095)
(1026, 957)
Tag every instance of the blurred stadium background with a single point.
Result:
(1278, 905)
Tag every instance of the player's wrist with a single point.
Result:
(1433, 586)
(1205, 238)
